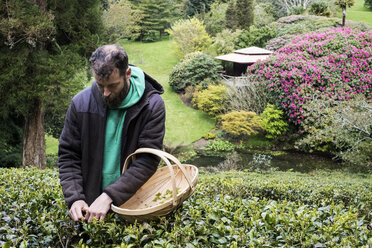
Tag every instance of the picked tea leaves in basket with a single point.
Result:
(163, 192)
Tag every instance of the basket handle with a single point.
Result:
(165, 157)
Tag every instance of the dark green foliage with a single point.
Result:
(320, 8)
(215, 20)
(227, 210)
(155, 19)
(11, 141)
(231, 18)
(239, 14)
(244, 13)
(193, 70)
(368, 4)
(43, 44)
(194, 7)
(255, 36)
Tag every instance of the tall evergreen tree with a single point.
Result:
(194, 7)
(155, 18)
(244, 13)
(231, 18)
(43, 44)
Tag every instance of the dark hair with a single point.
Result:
(106, 58)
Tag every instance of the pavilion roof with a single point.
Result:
(248, 55)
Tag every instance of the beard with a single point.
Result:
(118, 99)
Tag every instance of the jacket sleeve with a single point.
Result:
(145, 165)
(69, 159)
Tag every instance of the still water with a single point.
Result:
(283, 162)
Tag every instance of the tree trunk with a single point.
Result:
(343, 16)
(34, 137)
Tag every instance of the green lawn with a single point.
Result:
(359, 13)
(183, 124)
(51, 145)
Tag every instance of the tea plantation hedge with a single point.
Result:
(233, 209)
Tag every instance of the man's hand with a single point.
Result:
(76, 210)
(99, 208)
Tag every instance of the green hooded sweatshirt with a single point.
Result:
(114, 128)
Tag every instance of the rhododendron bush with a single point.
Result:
(335, 65)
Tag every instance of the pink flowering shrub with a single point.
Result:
(335, 65)
(290, 26)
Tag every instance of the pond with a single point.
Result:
(282, 161)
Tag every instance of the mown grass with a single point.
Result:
(359, 13)
(51, 145)
(183, 124)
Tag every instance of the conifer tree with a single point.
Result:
(155, 18)
(244, 13)
(231, 18)
(43, 44)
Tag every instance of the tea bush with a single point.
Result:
(230, 209)
(192, 70)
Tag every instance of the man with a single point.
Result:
(121, 112)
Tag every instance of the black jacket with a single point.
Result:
(81, 145)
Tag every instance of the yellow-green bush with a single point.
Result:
(241, 123)
(273, 122)
(190, 36)
(212, 100)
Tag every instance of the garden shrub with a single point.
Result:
(368, 4)
(227, 209)
(212, 100)
(272, 122)
(215, 19)
(220, 145)
(320, 8)
(334, 65)
(225, 41)
(192, 70)
(251, 97)
(257, 36)
(190, 36)
(343, 129)
(295, 25)
(241, 123)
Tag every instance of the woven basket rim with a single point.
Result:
(143, 212)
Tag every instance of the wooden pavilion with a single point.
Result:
(243, 58)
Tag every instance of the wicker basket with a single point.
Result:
(163, 192)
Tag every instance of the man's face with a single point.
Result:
(115, 88)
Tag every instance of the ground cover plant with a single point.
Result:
(231, 209)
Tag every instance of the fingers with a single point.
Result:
(99, 208)
(76, 210)
(91, 214)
